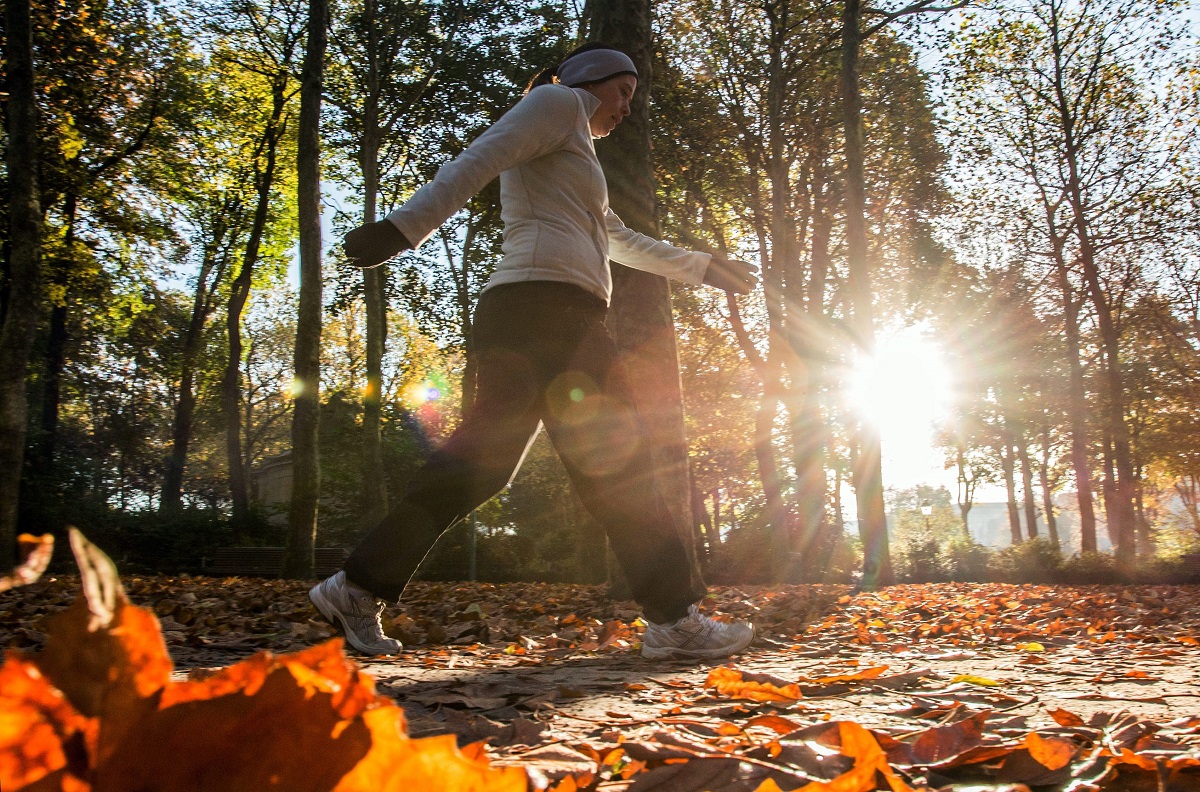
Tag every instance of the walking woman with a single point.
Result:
(544, 358)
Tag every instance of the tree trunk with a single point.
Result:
(868, 472)
(1121, 517)
(764, 445)
(375, 496)
(809, 433)
(640, 317)
(1108, 490)
(56, 353)
(1047, 494)
(1008, 463)
(790, 530)
(239, 294)
(181, 431)
(965, 491)
(716, 517)
(1077, 408)
(24, 217)
(306, 471)
(1031, 528)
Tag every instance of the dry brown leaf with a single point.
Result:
(35, 552)
(776, 723)
(942, 743)
(1066, 718)
(307, 721)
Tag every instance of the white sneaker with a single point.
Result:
(695, 637)
(356, 612)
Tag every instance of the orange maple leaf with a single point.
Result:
(97, 710)
(754, 687)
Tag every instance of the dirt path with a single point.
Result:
(550, 677)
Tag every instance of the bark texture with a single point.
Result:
(20, 318)
(306, 416)
(640, 318)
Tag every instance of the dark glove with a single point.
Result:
(372, 244)
(731, 275)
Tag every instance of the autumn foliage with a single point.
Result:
(101, 708)
(98, 710)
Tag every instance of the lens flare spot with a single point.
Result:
(571, 397)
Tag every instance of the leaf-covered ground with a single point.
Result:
(966, 684)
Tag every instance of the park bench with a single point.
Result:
(267, 561)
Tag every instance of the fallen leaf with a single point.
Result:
(945, 742)
(35, 553)
(973, 679)
(1066, 718)
(754, 687)
(1050, 752)
(776, 723)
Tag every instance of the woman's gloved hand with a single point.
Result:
(371, 244)
(732, 275)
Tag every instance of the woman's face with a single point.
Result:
(614, 95)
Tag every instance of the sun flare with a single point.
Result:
(904, 389)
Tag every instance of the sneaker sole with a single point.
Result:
(676, 653)
(334, 617)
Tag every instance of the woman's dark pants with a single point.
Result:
(544, 357)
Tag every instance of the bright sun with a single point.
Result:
(905, 388)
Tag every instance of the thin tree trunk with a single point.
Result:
(1077, 408)
(1031, 528)
(965, 491)
(716, 516)
(1108, 489)
(868, 472)
(764, 445)
(1120, 508)
(56, 355)
(1047, 494)
(306, 471)
(56, 363)
(239, 294)
(790, 531)
(640, 317)
(809, 433)
(24, 218)
(375, 495)
(1007, 462)
(181, 430)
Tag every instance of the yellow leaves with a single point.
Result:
(973, 679)
(1032, 646)
(754, 687)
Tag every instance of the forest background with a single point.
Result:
(1032, 210)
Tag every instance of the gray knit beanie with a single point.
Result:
(592, 66)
